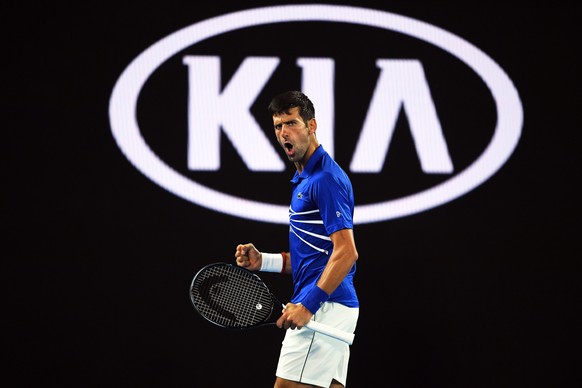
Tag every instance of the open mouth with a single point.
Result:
(288, 146)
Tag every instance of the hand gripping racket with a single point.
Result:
(235, 298)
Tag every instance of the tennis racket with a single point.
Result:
(233, 297)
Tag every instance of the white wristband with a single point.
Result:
(272, 262)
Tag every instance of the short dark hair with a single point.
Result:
(283, 102)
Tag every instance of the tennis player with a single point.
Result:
(322, 253)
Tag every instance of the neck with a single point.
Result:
(300, 165)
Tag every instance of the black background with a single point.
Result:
(480, 292)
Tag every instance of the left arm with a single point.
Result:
(342, 259)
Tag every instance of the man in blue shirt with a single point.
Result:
(322, 252)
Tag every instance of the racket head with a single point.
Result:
(232, 297)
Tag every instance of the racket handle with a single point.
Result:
(331, 331)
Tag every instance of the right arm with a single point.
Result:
(249, 257)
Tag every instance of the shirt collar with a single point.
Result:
(308, 169)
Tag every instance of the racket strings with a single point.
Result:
(231, 296)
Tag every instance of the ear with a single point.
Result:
(312, 124)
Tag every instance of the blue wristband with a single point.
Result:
(314, 299)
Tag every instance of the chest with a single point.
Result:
(303, 197)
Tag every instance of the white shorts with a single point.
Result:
(313, 358)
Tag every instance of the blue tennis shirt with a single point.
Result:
(322, 202)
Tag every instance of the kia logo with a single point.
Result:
(401, 85)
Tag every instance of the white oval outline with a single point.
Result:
(122, 110)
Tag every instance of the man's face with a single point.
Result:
(293, 134)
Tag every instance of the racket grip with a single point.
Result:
(331, 331)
